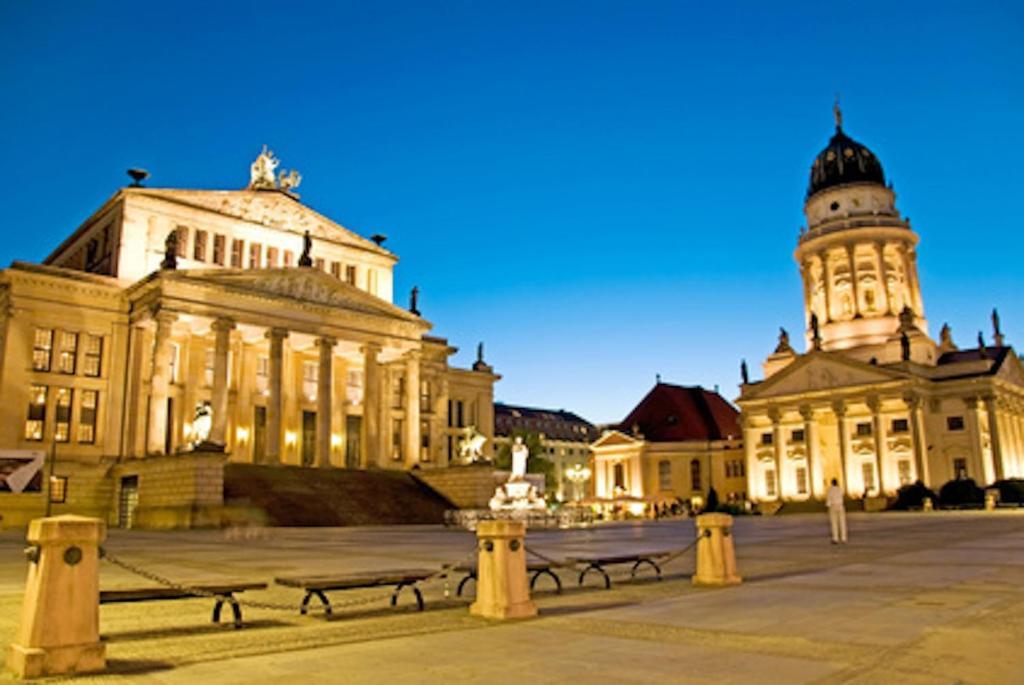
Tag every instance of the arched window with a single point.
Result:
(665, 475)
(695, 475)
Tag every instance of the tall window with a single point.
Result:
(354, 386)
(272, 257)
(199, 248)
(424, 395)
(397, 391)
(336, 269)
(208, 366)
(218, 249)
(664, 475)
(237, 249)
(903, 465)
(289, 258)
(769, 483)
(868, 471)
(350, 274)
(62, 416)
(92, 360)
(695, 479)
(182, 244)
(801, 480)
(310, 375)
(68, 352)
(36, 422)
(619, 477)
(255, 255)
(318, 263)
(262, 375)
(175, 362)
(87, 416)
(396, 439)
(960, 468)
(42, 349)
(424, 440)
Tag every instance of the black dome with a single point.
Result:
(844, 160)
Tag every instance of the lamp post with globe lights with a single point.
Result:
(577, 475)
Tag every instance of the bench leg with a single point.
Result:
(304, 607)
(597, 567)
(547, 572)
(650, 562)
(236, 610)
(416, 591)
(462, 583)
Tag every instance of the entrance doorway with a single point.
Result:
(353, 428)
(128, 502)
(308, 437)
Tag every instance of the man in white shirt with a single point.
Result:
(836, 512)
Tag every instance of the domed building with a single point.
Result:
(874, 401)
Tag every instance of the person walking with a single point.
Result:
(836, 512)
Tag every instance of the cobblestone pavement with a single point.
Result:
(913, 598)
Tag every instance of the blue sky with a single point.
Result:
(600, 191)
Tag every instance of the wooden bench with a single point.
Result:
(225, 592)
(598, 564)
(319, 586)
(537, 569)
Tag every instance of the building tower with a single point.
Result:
(857, 260)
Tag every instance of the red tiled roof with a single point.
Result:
(673, 413)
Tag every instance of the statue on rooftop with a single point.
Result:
(815, 332)
(904, 346)
(261, 173)
(997, 333)
(288, 182)
(307, 247)
(744, 372)
(783, 345)
(170, 251)
(414, 297)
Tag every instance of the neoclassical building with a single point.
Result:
(239, 322)
(676, 444)
(874, 401)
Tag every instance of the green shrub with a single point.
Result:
(912, 496)
(961, 492)
(1011, 490)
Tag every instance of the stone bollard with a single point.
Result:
(927, 504)
(716, 557)
(990, 500)
(502, 590)
(60, 618)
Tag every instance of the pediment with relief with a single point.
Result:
(305, 285)
(819, 371)
(269, 208)
(616, 439)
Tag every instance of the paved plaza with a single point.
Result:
(913, 598)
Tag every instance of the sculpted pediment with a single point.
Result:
(819, 371)
(1011, 370)
(305, 285)
(269, 208)
(616, 439)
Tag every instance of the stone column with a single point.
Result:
(881, 449)
(412, 408)
(503, 589)
(159, 383)
(851, 258)
(826, 274)
(324, 400)
(809, 449)
(716, 555)
(272, 443)
(994, 438)
(778, 441)
(883, 275)
(750, 457)
(915, 284)
(913, 403)
(977, 468)
(839, 408)
(807, 276)
(370, 443)
(218, 430)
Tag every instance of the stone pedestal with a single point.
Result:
(60, 621)
(716, 557)
(502, 589)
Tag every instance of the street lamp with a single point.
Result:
(577, 475)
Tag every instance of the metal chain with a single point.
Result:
(444, 571)
(663, 558)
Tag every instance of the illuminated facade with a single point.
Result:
(874, 401)
(677, 444)
(177, 322)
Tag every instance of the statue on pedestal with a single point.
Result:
(517, 494)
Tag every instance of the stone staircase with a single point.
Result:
(297, 496)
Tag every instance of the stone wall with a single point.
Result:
(467, 487)
(89, 493)
(177, 491)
